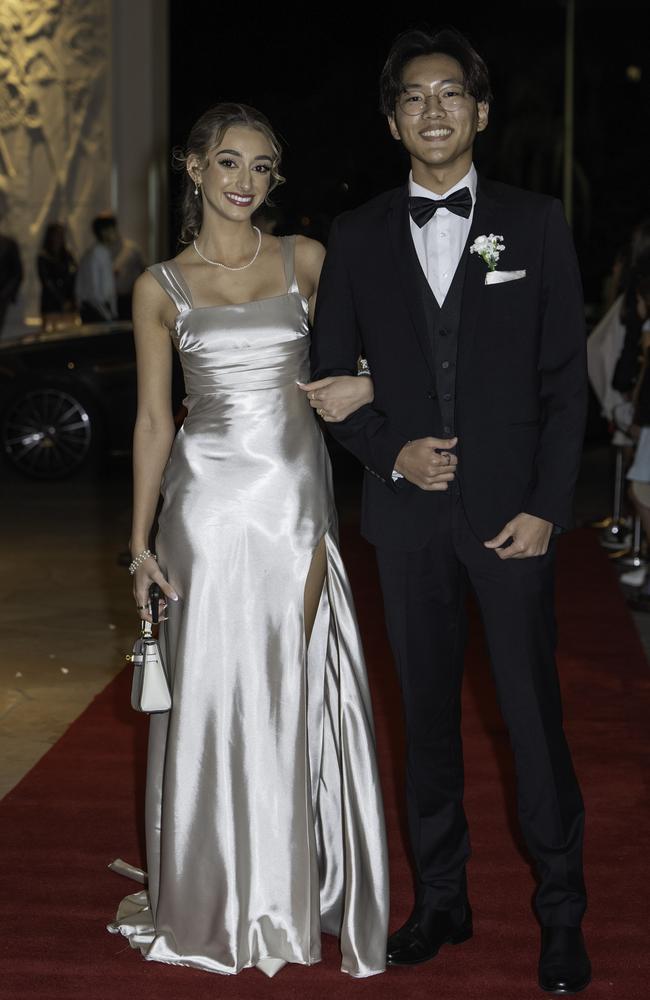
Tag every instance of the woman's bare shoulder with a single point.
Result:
(150, 300)
(310, 255)
(308, 249)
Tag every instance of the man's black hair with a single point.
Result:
(446, 41)
(101, 223)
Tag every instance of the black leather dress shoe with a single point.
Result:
(564, 965)
(424, 933)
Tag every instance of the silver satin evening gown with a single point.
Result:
(264, 812)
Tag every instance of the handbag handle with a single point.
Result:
(154, 598)
(145, 626)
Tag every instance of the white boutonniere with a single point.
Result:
(489, 250)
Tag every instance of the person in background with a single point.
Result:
(604, 347)
(11, 274)
(57, 270)
(631, 379)
(128, 265)
(95, 285)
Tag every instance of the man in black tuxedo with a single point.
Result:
(471, 449)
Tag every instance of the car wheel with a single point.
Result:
(47, 433)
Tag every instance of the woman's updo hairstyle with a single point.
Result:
(206, 133)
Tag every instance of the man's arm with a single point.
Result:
(562, 370)
(628, 365)
(562, 377)
(336, 345)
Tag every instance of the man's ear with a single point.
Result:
(482, 115)
(393, 128)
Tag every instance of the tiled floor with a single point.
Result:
(66, 612)
(66, 616)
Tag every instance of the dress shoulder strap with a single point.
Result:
(170, 279)
(288, 246)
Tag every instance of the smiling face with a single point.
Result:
(438, 138)
(235, 180)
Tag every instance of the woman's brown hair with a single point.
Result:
(205, 134)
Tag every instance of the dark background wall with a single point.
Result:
(315, 76)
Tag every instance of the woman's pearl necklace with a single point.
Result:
(217, 263)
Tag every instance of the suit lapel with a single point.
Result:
(484, 222)
(407, 269)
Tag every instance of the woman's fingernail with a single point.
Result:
(174, 597)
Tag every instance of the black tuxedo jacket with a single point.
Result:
(521, 384)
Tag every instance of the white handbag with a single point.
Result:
(150, 688)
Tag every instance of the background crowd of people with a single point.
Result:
(95, 289)
(618, 361)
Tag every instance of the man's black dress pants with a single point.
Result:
(424, 596)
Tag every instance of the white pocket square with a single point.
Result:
(498, 277)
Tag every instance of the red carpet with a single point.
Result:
(76, 811)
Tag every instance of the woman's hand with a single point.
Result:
(336, 397)
(147, 573)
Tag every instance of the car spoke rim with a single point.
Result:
(47, 432)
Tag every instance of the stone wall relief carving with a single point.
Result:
(55, 141)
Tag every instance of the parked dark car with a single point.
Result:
(68, 397)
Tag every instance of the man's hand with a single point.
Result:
(530, 537)
(427, 463)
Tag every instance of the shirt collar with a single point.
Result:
(468, 181)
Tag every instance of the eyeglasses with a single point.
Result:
(450, 98)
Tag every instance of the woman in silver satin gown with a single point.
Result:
(264, 819)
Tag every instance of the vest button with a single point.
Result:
(447, 397)
(443, 331)
(444, 364)
(447, 429)
(431, 394)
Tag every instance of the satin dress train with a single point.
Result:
(264, 818)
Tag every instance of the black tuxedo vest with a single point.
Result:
(443, 327)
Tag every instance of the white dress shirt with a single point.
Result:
(95, 282)
(440, 243)
(128, 265)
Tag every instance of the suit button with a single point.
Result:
(443, 332)
(431, 395)
(447, 429)
(447, 397)
(444, 364)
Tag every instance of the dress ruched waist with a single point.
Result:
(234, 370)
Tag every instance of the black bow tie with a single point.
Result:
(423, 209)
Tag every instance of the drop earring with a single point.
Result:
(196, 189)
